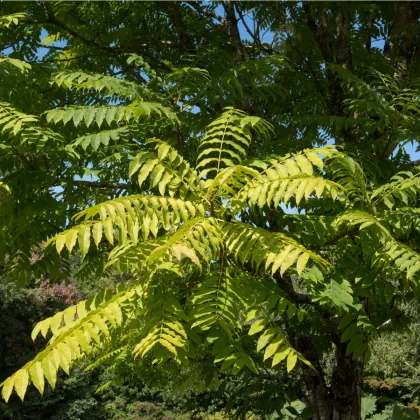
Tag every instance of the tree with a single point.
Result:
(214, 251)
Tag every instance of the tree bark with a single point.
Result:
(324, 40)
(235, 36)
(346, 386)
(402, 40)
(231, 23)
(318, 394)
(340, 401)
(371, 22)
(344, 53)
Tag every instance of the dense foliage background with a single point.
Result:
(392, 375)
(318, 73)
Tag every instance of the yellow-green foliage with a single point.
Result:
(199, 265)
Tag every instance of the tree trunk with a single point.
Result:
(318, 394)
(346, 386)
(341, 401)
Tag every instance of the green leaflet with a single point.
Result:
(360, 350)
(291, 361)
(104, 138)
(281, 355)
(349, 332)
(345, 321)
(277, 250)
(129, 114)
(101, 83)
(354, 343)
(166, 169)
(258, 326)
(273, 347)
(226, 140)
(265, 338)
(37, 377)
(7, 388)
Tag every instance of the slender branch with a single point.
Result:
(52, 20)
(369, 30)
(196, 5)
(135, 47)
(415, 163)
(100, 184)
(54, 47)
(242, 18)
(385, 324)
(58, 60)
(34, 22)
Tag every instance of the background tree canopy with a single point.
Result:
(229, 188)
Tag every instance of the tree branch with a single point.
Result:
(196, 5)
(172, 10)
(232, 23)
(402, 40)
(235, 39)
(369, 29)
(58, 60)
(54, 47)
(135, 47)
(285, 283)
(344, 56)
(52, 20)
(415, 162)
(100, 184)
(253, 35)
(320, 31)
